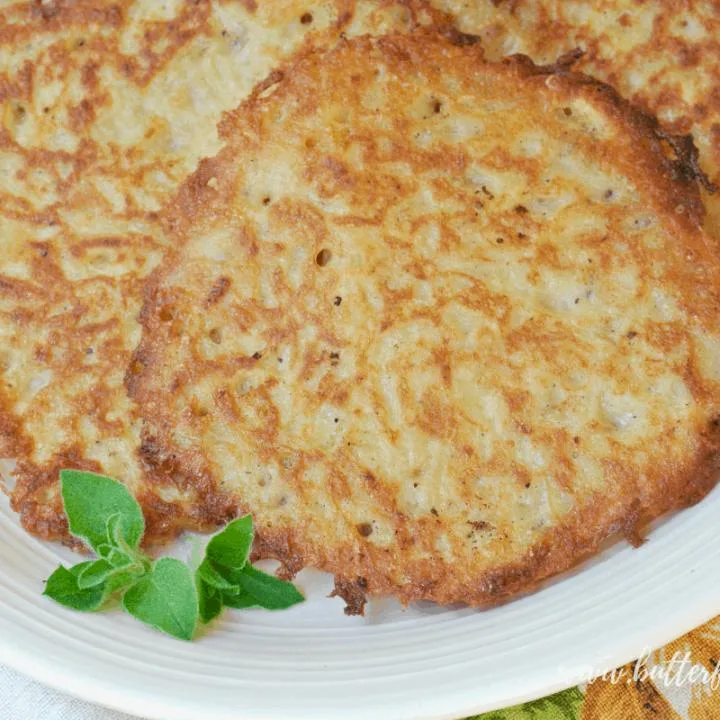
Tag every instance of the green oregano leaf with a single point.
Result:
(124, 579)
(165, 594)
(209, 575)
(210, 602)
(119, 559)
(104, 550)
(62, 587)
(94, 574)
(100, 571)
(268, 591)
(230, 548)
(166, 599)
(116, 534)
(90, 501)
(240, 600)
(114, 530)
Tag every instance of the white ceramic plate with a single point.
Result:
(313, 662)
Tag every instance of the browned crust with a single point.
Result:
(687, 156)
(639, 48)
(674, 193)
(208, 509)
(684, 166)
(41, 511)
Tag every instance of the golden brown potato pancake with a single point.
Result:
(442, 326)
(664, 55)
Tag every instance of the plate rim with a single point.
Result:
(124, 696)
(125, 701)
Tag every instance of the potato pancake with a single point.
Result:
(105, 109)
(443, 326)
(663, 55)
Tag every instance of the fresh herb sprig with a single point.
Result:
(164, 593)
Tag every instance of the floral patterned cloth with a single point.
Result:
(681, 681)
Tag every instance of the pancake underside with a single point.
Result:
(442, 326)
